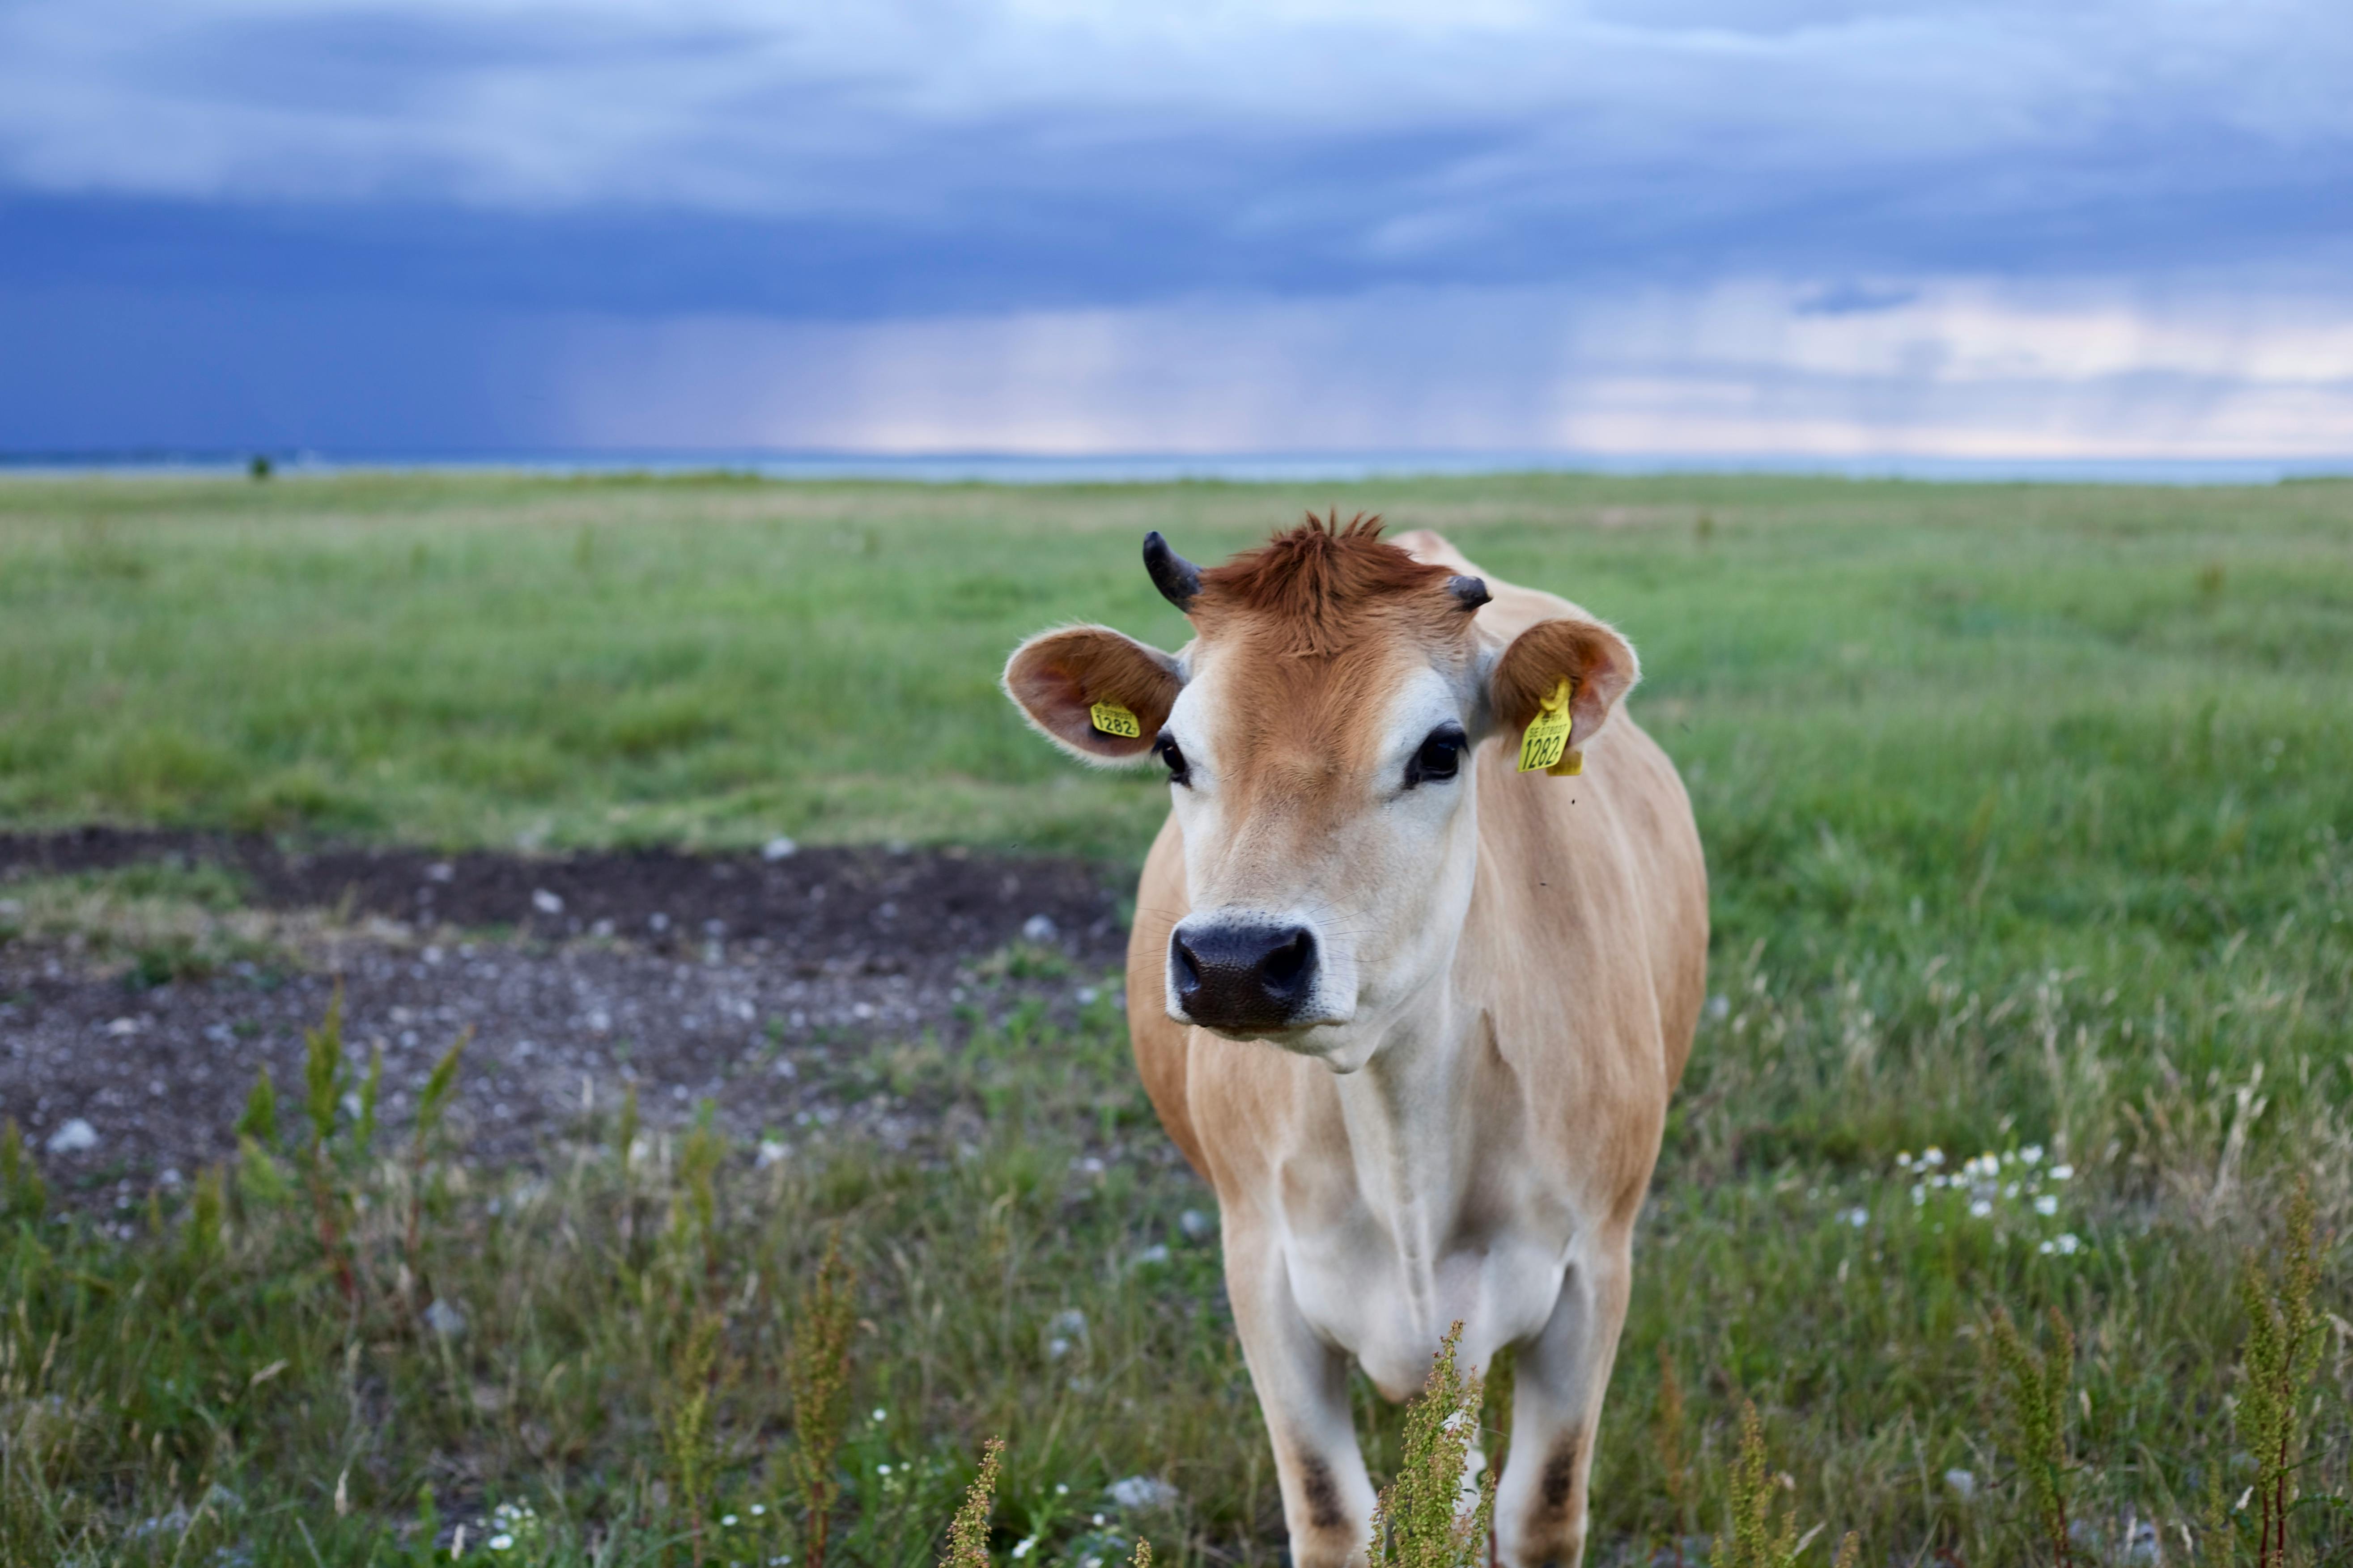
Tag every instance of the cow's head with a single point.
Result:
(1320, 733)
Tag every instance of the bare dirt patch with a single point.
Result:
(766, 985)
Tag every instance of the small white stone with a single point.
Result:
(545, 902)
(780, 849)
(1039, 928)
(73, 1136)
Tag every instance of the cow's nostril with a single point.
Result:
(1287, 962)
(1189, 968)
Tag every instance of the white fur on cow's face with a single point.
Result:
(1379, 872)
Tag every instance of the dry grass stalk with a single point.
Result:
(687, 1426)
(2282, 1357)
(1419, 1521)
(1752, 1541)
(968, 1534)
(2037, 1388)
(818, 1381)
(432, 1103)
(1667, 1442)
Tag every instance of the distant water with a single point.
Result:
(1241, 467)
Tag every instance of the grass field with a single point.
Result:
(2029, 817)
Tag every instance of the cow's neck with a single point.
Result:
(1411, 1133)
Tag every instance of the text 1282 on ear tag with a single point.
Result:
(1547, 733)
(1110, 719)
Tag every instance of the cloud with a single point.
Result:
(1821, 226)
(1967, 368)
(1298, 147)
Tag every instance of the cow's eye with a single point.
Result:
(1440, 757)
(1179, 771)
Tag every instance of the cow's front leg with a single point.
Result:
(1303, 1390)
(1556, 1389)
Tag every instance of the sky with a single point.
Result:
(1778, 229)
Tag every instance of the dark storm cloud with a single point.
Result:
(1056, 224)
(926, 158)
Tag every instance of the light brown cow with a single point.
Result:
(1415, 1014)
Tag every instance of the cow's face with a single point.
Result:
(1319, 734)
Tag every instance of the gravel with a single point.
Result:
(758, 982)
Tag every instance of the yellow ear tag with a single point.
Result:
(1110, 719)
(1547, 733)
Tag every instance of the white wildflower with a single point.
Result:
(1932, 1156)
(2068, 1243)
(2048, 1204)
(2031, 1154)
(1140, 1493)
(2062, 1173)
(1980, 1208)
(1857, 1218)
(501, 1543)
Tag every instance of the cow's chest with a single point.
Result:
(1383, 1279)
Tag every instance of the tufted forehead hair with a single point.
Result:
(1324, 586)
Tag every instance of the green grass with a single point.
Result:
(2027, 812)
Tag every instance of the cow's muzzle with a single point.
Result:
(1241, 975)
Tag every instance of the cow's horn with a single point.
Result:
(1179, 580)
(1472, 591)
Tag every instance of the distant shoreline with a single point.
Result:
(1016, 468)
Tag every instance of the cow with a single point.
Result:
(1413, 1013)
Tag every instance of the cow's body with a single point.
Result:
(1480, 1155)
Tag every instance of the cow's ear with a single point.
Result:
(1598, 661)
(1086, 687)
